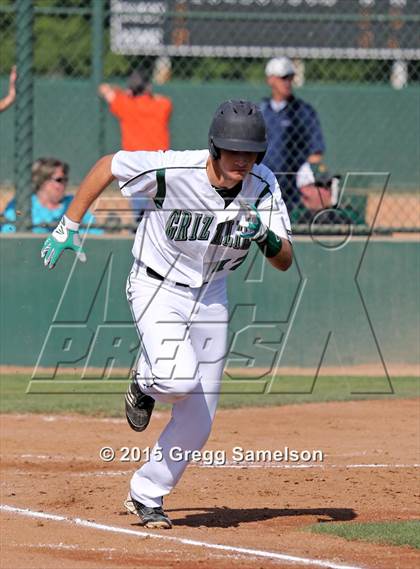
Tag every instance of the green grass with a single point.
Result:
(104, 397)
(394, 533)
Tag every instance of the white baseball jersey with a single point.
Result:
(188, 234)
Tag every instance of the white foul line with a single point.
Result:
(253, 465)
(245, 464)
(229, 548)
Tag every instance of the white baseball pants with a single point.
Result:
(183, 333)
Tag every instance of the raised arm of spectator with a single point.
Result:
(11, 96)
(107, 92)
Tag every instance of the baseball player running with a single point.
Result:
(205, 209)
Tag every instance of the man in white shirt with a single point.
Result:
(205, 209)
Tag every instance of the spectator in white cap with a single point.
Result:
(293, 130)
(280, 73)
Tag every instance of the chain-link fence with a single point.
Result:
(355, 63)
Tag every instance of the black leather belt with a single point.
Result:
(154, 275)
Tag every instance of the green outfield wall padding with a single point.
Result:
(357, 303)
(367, 127)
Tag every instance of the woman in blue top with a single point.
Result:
(49, 202)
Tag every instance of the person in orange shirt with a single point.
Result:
(143, 116)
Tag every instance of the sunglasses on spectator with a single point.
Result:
(60, 179)
(287, 77)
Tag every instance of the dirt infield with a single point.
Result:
(226, 515)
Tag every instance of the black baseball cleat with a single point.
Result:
(154, 518)
(138, 407)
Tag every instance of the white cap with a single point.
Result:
(280, 67)
(305, 176)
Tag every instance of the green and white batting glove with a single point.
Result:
(250, 224)
(65, 236)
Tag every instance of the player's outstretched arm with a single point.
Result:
(91, 187)
(66, 234)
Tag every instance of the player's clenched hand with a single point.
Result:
(65, 236)
(250, 225)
